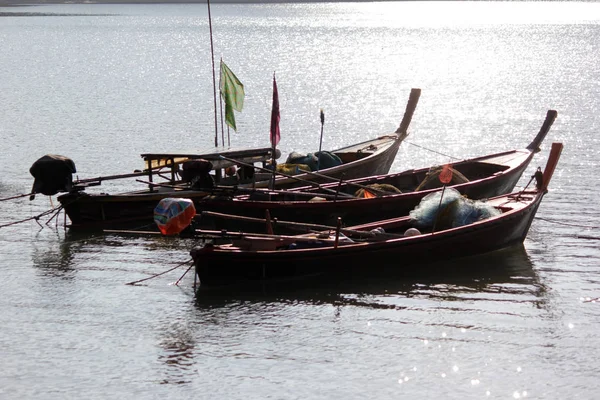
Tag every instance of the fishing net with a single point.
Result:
(454, 210)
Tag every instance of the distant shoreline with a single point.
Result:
(33, 3)
(17, 3)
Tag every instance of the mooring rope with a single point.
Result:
(36, 217)
(433, 151)
(161, 273)
(578, 236)
(590, 300)
(567, 224)
(186, 271)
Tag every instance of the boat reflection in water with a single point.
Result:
(505, 273)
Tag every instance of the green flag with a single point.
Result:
(232, 92)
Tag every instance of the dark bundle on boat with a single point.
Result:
(52, 174)
(317, 161)
(381, 188)
(197, 173)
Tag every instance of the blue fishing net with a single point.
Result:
(454, 210)
(315, 161)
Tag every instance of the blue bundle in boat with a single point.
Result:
(317, 161)
(454, 210)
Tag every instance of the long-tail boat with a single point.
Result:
(92, 210)
(394, 244)
(361, 200)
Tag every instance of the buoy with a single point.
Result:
(412, 232)
(173, 215)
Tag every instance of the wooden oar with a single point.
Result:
(266, 236)
(163, 185)
(343, 182)
(315, 184)
(241, 190)
(110, 177)
(303, 225)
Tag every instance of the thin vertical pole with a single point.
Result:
(437, 213)
(337, 232)
(212, 53)
(322, 115)
(274, 165)
(221, 101)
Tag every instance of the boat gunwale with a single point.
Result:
(514, 212)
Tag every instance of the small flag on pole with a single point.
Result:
(232, 91)
(275, 134)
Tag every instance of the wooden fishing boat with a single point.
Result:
(481, 177)
(87, 210)
(251, 258)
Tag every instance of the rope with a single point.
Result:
(576, 226)
(159, 274)
(186, 271)
(58, 210)
(566, 224)
(597, 299)
(433, 151)
(16, 197)
(587, 237)
(35, 217)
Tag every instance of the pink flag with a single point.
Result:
(275, 136)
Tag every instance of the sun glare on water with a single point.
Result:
(440, 13)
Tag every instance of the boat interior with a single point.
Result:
(405, 182)
(394, 228)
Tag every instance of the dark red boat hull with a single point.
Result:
(216, 268)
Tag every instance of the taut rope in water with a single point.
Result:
(567, 224)
(186, 271)
(161, 273)
(36, 217)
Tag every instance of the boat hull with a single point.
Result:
(135, 210)
(408, 254)
(356, 210)
(391, 247)
(488, 176)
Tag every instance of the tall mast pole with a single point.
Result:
(212, 54)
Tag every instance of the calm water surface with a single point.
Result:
(107, 83)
